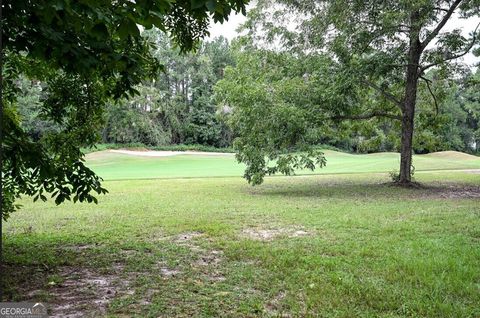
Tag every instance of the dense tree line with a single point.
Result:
(175, 107)
(179, 105)
(450, 122)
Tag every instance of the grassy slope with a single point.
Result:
(371, 251)
(114, 166)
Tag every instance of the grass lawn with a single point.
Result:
(332, 245)
(115, 166)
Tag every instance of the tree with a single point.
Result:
(377, 48)
(86, 53)
(273, 110)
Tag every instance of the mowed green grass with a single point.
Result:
(338, 245)
(116, 166)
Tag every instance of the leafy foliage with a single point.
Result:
(272, 113)
(54, 163)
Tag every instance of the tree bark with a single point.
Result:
(410, 98)
(407, 134)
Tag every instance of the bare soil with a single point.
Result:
(270, 234)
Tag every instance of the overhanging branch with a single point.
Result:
(431, 93)
(386, 94)
(440, 25)
(454, 56)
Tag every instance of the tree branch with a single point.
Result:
(431, 93)
(455, 56)
(440, 9)
(440, 25)
(387, 95)
(367, 116)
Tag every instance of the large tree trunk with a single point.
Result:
(408, 111)
(407, 134)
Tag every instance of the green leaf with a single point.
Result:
(126, 28)
(100, 31)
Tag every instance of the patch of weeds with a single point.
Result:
(395, 175)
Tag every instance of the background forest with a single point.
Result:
(181, 106)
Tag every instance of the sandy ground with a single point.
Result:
(152, 153)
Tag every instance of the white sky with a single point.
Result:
(467, 26)
(228, 30)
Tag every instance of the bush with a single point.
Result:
(395, 175)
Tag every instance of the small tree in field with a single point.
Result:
(379, 49)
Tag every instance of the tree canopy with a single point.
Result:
(366, 60)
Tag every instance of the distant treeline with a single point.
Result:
(178, 110)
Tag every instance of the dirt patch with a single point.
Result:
(270, 234)
(82, 292)
(273, 308)
(168, 272)
(185, 237)
(79, 248)
(215, 276)
(440, 191)
(208, 265)
(188, 240)
(149, 296)
(452, 192)
(205, 262)
(299, 233)
(210, 258)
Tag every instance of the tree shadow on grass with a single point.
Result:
(366, 190)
